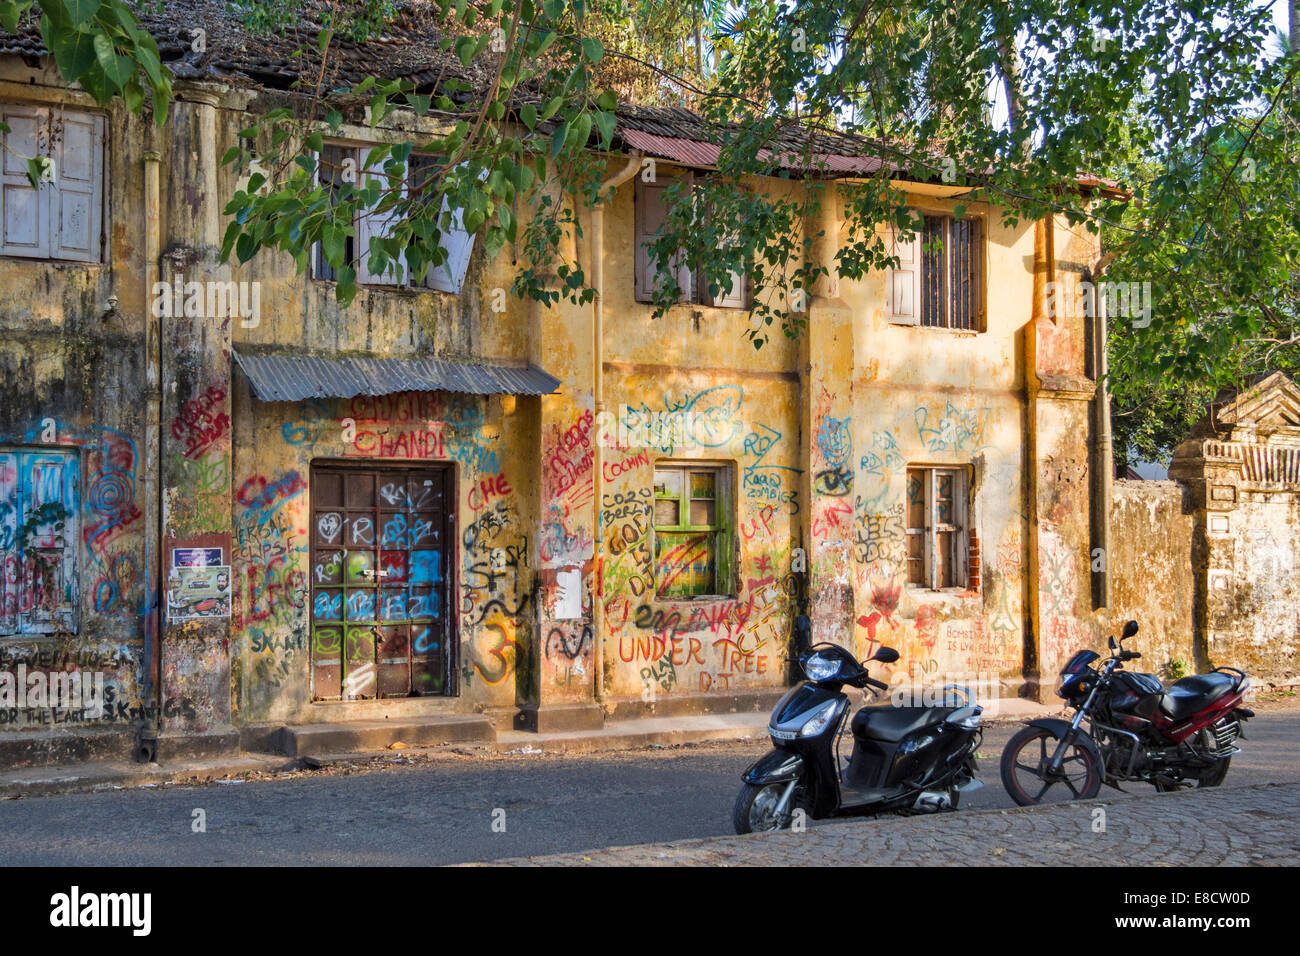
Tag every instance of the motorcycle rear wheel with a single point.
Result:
(755, 809)
(1023, 761)
(1210, 776)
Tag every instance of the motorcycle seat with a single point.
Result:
(1191, 695)
(892, 724)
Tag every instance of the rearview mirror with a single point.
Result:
(1130, 629)
(885, 655)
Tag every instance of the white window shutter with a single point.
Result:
(737, 298)
(77, 203)
(904, 281)
(380, 224)
(24, 210)
(459, 245)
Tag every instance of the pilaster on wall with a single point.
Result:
(1057, 492)
(826, 367)
(1212, 476)
(563, 683)
(195, 439)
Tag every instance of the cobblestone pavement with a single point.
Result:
(1241, 826)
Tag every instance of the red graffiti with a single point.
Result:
(197, 425)
(489, 489)
(426, 441)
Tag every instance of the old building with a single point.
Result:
(257, 513)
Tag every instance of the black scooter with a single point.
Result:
(918, 759)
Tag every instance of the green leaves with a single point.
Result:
(100, 45)
(593, 51)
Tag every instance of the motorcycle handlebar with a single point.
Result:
(872, 682)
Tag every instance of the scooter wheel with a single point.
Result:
(755, 810)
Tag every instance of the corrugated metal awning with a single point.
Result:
(291, 378)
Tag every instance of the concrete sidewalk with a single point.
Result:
(1238, 826)
(615, 735)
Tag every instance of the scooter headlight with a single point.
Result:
(818, 719)
(821, 666)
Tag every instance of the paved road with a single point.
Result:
(444, 813)
(1230, 826)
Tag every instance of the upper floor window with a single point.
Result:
(651, 210)
(38, 540)
(339, 165)
(939, 280)
(938, 537)
(692, 536)
(62, 216)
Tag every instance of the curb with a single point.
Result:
(49, 781)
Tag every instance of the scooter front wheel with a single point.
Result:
(755, 810)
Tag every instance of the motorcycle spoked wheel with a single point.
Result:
(1210, 776)
(755, 808)
(1023, 763)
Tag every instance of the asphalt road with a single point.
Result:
(445, 812)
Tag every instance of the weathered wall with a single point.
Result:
(1245, 486)
(1256, 625)
(936, 397)
(72, 368)
(818, 435)
(694, 364)
(1152, 580)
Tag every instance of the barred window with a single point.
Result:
(937, 533)
(939, 281)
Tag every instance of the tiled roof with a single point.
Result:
(407, 49)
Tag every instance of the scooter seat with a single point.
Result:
(892, 724)
(1189, 696)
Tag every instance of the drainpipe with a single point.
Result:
(1105, 462)
(1032, 666)
(147, 747)
(598, 392)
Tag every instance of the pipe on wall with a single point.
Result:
(1103, 452)
(155, 562)
(597, 259)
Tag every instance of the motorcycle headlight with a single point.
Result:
(821, 666)
(818, 720)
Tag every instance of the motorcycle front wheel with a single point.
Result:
(1027, 779)
(755, 809)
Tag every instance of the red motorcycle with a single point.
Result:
(1128, 727)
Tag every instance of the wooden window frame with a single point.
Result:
(721, 531)
(697, 294)
(448, 277)
(915, 280)
(931, 529)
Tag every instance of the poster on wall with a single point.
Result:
(199, 585)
